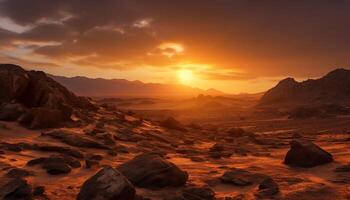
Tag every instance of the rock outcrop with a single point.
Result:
(107, 184)
(74, 139)
(56, 164)
(152, 171)
(172, 123)
(331, 88)
(306, 154)
(15, 188)
(35, 99)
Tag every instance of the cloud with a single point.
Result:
(108, 45)
(262, 37)
(228, 75)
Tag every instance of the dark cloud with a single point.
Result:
(260, 37)
(47, 32)
(6, 35)
(104, 46)
(28, 12)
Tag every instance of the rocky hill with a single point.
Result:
(331, 88)
(34, 99)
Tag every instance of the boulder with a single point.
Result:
(172, 123)
(18, 173)
(55, 168)
(74, 139)
(107, 184)
(238, 177)
(306, 154)
(268, 187)
(198, 193)
(56, 164)
(15, 188)
(152, 171)
(56, 159)
(11, 111)
(38, 118)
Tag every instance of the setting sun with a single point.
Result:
(185, 76)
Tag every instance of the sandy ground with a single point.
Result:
(319, 182)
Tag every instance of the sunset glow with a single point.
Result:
(150, 41)
(185, 76)
(171, 49)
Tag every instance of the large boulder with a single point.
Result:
(306, 154)
(107, 184)
(15, 188)
(152, 171)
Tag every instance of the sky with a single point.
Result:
(237, 46)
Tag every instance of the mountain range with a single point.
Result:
(121, 88)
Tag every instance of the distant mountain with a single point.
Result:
(331, 88)
(120, 87)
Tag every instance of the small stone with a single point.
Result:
(39, 190)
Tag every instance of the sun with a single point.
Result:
(185, 76)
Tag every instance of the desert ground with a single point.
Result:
(204, 147)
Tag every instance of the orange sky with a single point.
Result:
(234, 46)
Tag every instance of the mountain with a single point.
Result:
(120, 87)
(334, 87)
